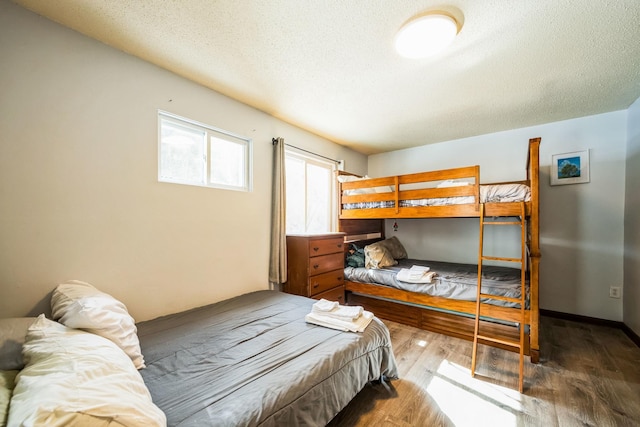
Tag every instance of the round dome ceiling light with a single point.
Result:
(426, 35)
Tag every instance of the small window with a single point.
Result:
(195, 154)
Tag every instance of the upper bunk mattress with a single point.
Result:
(493, 193)
(453, 281)
(252, 360)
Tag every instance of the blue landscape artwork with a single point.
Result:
(569, 167)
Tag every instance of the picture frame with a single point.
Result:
(570, 168)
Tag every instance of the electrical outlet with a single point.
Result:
(614, 292)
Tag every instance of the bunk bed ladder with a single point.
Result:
(477, 336)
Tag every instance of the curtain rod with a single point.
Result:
(274, 141)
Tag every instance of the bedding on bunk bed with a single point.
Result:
(250, 360)
(490, 193)
(454, 281)
(447, 280)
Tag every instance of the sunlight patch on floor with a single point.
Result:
(469, 401)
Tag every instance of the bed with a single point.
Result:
(260, 362)
(365, 203)
(251, 360)
(452, 280)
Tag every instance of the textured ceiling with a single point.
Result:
(328, 66)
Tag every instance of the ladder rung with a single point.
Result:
(502, 223)
(496, 258)
(500, 341)
(502, 298)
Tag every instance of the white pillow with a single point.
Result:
(453, 183)
(12, 333)
(357, 191)
(384, 189)
(351, 178)
(73, 377)
(81, 306)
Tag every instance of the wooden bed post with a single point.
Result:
(533, 175)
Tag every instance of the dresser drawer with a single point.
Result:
(325, 263)
(326, 246)
(325, 281)
(335, 294)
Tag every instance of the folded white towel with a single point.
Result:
(419, 269)
(334, 309)
(358, 325)
(404, 275)
(344, 312)
(416, 272)
(325, 305)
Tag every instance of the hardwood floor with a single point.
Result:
(589, 375)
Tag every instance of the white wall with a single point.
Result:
(581, 225)
(78, 178)
(632, 222)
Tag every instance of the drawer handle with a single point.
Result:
(339, 277)
(316, 249)
(316, 266)
(315, 285)
(339, 245)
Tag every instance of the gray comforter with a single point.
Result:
(252, 360)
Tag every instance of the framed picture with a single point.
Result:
(570, 168)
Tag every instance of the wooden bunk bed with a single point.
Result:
(364, 204)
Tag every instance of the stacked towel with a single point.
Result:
(416, 274)
(330, 314)
(337, 311)
(325, 305)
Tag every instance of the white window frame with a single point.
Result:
(332, 166)
(210, 132)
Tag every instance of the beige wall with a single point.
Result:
(581, 225)
(78, 178)
(631, 289)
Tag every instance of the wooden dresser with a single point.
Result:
(315, 265)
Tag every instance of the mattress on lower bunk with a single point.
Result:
(493, 193)
(453, 281)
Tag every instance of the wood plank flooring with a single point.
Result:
(589, 375)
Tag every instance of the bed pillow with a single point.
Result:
(12, 333)
(7, 383)
(355, 191)
(73, 377)
(378, 256)
(395, 247)
(351, 178)
(79, 305)
(453, 183)
(369, 190)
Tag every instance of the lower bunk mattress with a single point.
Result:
(254, 361)
(452, 280)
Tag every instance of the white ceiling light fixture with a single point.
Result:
(426, 35)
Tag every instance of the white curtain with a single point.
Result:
(278, 256)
